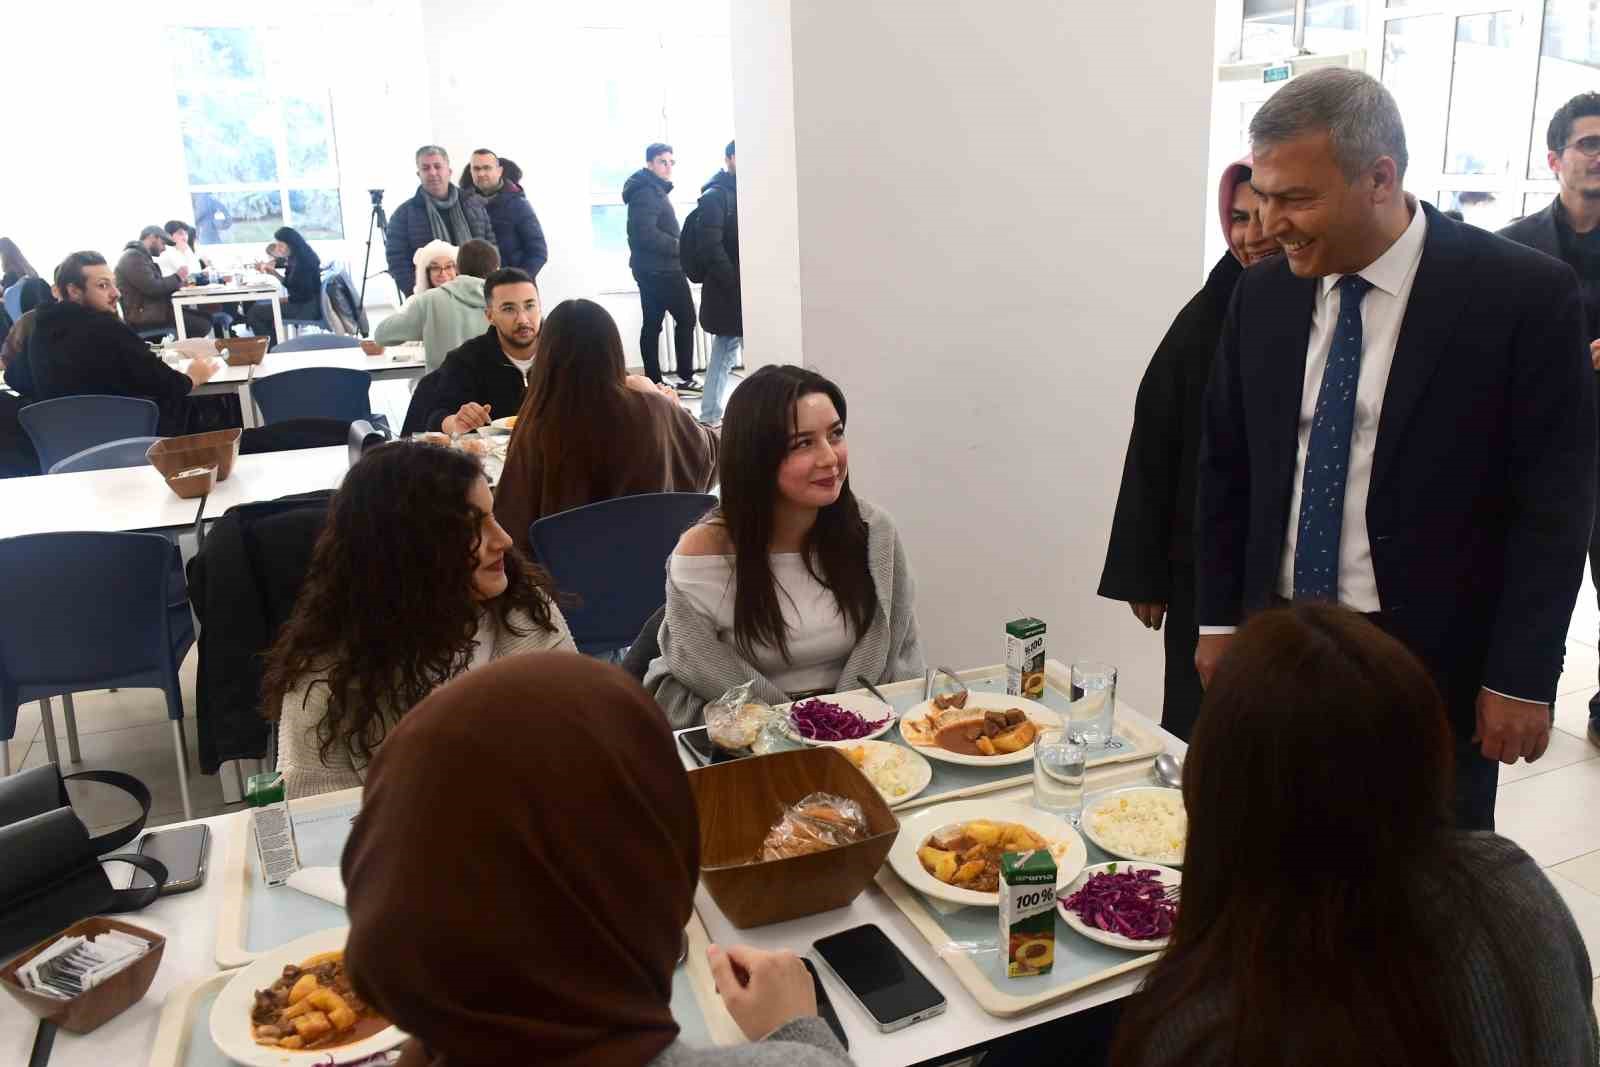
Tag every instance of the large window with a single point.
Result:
(258, 142)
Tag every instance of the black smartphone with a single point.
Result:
(698, 744)
(880, 977)
(825, 1006)
(182, 850)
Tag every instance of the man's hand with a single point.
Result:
(1594, 354)
(470, 417)
(1511, 729)
(1208, 653)
(1149, 614)
(202, 369)
(762, 990)
(183, 275)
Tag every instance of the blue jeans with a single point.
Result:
(724, 350)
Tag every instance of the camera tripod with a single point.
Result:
(377, 220)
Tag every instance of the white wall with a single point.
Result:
(996, 225)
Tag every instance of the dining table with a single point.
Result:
(191, 923)
(404, 361)
(247, 289)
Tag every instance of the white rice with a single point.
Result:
(1148, 826)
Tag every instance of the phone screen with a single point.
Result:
(699, 746)
(825, 1006)
(182, 851)
(888, 985)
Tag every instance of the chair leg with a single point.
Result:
(238, 776)
(48, 722)
(71, 715)
(181, 751)
(183, 735)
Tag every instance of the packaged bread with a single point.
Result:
(816, 822)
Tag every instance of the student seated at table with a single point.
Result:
(411, 583)
(1331, 913)
(587, 430)
(792, 581)
(35, 292)
(298, 267)
(79, 346)
(520, 877)
(449, 312)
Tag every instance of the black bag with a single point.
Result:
(690, 252)
(50, 873)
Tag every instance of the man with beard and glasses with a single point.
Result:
(486, 378)
(1569, 229)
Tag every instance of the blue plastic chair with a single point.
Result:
(108, 612)
(613, 556)
(315, 342)
(128, 452)
(313, 393)
(13, 300)
(67, 425)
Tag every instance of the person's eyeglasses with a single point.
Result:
(1589, 146)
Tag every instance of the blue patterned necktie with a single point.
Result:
(1316, 547)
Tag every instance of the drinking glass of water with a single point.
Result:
(1058, 763)
(1091, 715)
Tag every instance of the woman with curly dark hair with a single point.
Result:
(412, 583)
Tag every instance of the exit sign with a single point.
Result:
(1275, 74)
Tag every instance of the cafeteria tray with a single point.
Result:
(1137, 742)
(183, 1038)
(255, 918)
(968, 939)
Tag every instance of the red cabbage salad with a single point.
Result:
(1133, 903)
(816, 719)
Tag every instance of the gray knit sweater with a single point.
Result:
(1549, 969)
(697, 666)
(802, 1043)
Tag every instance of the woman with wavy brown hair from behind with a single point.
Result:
(412, 582)
(1331, 914)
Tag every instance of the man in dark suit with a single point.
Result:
(1569, 229)
(1401, 417)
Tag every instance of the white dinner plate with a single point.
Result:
(1041, 716)
(230, 1015)
(1166, 875)
(869, 708)
(1095, 803)
(918, 826)
(918, 771)
(507, 423)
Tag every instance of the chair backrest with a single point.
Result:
(313, 342)
(13, 300)
(128, 452)
(99, 608)
(67, 425)
(313, 392)
(613, 556)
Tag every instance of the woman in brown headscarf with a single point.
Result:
(524, 903)
(588, 432)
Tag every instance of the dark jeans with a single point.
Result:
(660, 294)
(1182, 692)
(1594, 568)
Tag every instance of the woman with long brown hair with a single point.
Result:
(587, 431)
(1331, 912)
(411, 583)
(792, 581)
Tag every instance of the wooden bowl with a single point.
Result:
(173, 454)
(739, 801)
(194, 486)
(243, 351)
(105, 1001)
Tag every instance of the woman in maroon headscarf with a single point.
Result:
(520, 876)
(1150, 561)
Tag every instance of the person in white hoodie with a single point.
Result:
(447, 310)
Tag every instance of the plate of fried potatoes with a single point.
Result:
(952, 851)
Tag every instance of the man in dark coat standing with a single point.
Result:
(438, 211)
(494, 181)
(1400, 418)
(657, 268)
(720, 312)
(1569, 230)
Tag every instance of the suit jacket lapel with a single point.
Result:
(1437, 294)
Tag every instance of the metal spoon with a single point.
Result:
(1169, 771)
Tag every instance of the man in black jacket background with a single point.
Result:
(721, 312)
(653, 257)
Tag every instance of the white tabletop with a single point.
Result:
(201, 294)
(274, 474)
(397, 360)
(130, 498)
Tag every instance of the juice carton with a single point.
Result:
(1028, 911)
(275, 845)
(1025, 658)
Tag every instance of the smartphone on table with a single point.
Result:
(881, 978)
(182, 850)
(698, 744)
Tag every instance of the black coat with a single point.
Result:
(1154, 522)
(516, 227)
(477, 372)
(720, 308)
(409, 230)
(1483, 479)
(652, 224)
(73, 351)
(1542, 230)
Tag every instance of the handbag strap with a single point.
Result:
(134, 899)
(134, 788)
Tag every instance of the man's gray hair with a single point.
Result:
(432, 150)
(1360, 115)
